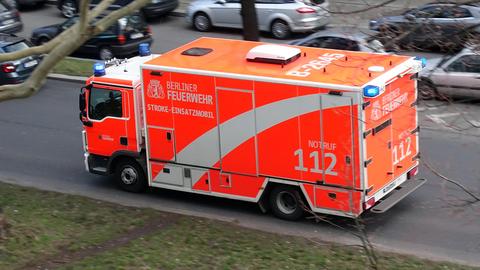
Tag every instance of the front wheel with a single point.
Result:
(69, 8)
(280, 29)
(287, 203)
(426, 90)
(201, 22)
(130, 176)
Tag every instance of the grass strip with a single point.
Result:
(74, 67)
(44, 226)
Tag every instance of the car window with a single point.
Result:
(457, 12)
(338, 43)
(103, 103)
(233, 1)
(467, 63)
(314, 42)
(274, 1)
(68, 23)
(431, 12)
(15, 47)
(132, 22)
(3, 7)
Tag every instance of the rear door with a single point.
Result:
(460, 77)
(226, 14)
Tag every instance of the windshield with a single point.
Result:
(16, 47)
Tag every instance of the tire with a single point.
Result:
(105, 53)
(201, 22)
(42, 41)
(130, 176)
(280, 29)
(426, 90)
(287, 203)
(68, 8)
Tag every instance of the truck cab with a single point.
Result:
(112, 117)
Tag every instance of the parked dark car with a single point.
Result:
(341, 40)
(435, 25)
(155, 8)
(19, 4)
(119, 40)
(13, 72)
(10, 21)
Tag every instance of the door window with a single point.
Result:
(431, 12)
(104, 103)
(467, 63)
(457, 12)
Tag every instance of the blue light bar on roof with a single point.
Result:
(371, 91)
(98, 69)
(144, 49)
(423, 60)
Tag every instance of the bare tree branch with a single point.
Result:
(430, 167)
(67, 45)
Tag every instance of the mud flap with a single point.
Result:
(397, 195)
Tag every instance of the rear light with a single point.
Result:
(121, 39)
(8, 68)
(305, 10)
(369, 203)
(412, 173)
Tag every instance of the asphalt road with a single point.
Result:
(41, 147)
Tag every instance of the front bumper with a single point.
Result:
(159, 9)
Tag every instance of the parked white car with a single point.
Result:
(280, 17)
(458, 75)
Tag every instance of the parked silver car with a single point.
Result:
(280, 17)
(342, 39)
(458, 75)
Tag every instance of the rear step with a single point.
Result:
(397, 195)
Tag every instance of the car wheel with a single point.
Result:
(69, 8)
(201, 22)
(130, 176)
(426, 90)
(280, 29)
(42, 41)
(287, 203)
(105, 53)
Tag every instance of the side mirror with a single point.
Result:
(84, 119)
(82, 103)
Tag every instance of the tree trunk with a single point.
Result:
(249, 20)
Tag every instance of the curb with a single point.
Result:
(66, 78)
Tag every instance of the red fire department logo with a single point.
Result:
(155, 89)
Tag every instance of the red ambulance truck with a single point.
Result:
(283, 126)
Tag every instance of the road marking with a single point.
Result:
(437, 118)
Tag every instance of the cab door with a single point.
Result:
(108, 114)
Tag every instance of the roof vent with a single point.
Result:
(197, 51)
(275, 54)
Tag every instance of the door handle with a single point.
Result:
(169, 136)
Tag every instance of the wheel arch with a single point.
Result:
(126, 155)
(274, 182)
(281, 17)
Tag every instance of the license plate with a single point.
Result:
(8, 22)
(30, 63)
(136, 35)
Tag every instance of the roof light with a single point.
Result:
(371, 91)
(422, 60)
(144, 49)
(98, 69)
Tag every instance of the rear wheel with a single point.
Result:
(69, 8)
(280, 29)
(201, 22)
(287, 203)
(130, 176)
(105, 53)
